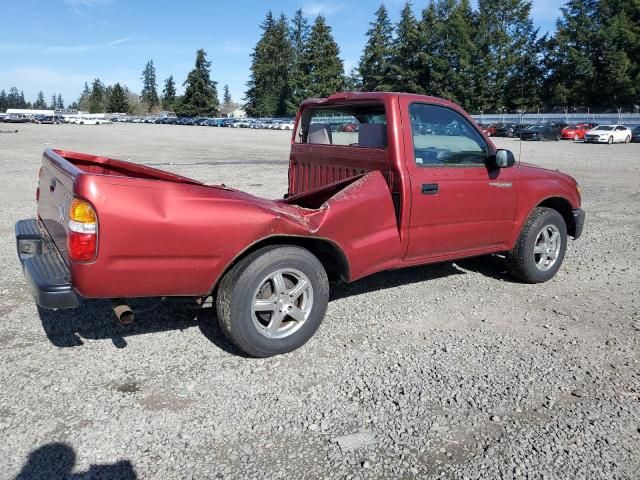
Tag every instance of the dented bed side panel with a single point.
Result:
(159, 238)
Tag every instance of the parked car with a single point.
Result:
(489, 130)
(608, 134)
(541, 132)
(635, 134)
(16, 118)
(91, 121)
(505, 130)
(286, 125)
(576, 132)
(351, 211)
(48, 119)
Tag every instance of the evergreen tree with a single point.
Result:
(409, 69)
(200, 96)
(4, 101)
(453, 64)
(570, 59)
(83, 100)
(40, 103)
(117, 101)
(299, 33)
(22, 103)
(59, 103)
(321, 63)
(169, 93)
(97, 97)
(617, 55)
(13, 98)
(149, 92)
(269, 92)
(226, 98)
(375, 63)
(507, 30)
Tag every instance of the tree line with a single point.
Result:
(490, 58)
(200, 97)
(15, 99)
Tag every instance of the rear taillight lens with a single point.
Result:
(82, 241)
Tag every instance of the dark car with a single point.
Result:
(541, 132)
(505, 130)
(635, 134)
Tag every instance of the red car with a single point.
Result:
(490, 130)
(576, 132)
(396, 198)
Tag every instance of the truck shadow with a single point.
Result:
(95, 320)
(56, 461)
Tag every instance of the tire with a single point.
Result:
(524, 262)
(268, 330)
(628, 139)
(610, 141)
(557, 138)
(576, 138)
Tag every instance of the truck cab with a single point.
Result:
(454, 194)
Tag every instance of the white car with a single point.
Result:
(608, 134)
(91, 121)
(286, 125)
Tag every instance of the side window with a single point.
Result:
(443, 137)
(334, 127)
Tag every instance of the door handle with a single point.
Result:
(429, 188)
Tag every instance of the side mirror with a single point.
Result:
(504, 159)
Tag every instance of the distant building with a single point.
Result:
(238, 113)
(28, 111)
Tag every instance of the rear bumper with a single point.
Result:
(578, 218)
(44, 270)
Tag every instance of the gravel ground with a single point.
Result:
(451, 370)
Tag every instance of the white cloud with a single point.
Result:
(320, 8)
(119, 41)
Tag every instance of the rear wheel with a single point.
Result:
(628, 139)
(540, 249)
(576, 138)
(610, 141)
(273, 300)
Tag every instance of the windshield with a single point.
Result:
(636, 129)
(604, 127)
(536, 128)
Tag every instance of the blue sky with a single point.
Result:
(57, 45)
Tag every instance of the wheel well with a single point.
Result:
(564, 208)
(331, 256)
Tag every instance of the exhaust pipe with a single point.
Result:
(123, 312)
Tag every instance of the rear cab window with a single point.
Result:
(363, 126)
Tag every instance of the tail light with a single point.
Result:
(82, 241)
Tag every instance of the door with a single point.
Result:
(458, 204)
(620, 133)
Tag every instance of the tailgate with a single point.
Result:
(55, 187)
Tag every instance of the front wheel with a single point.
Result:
(540, 249)
(273, 300)
(576, 138)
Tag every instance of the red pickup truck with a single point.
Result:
(416, 183)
